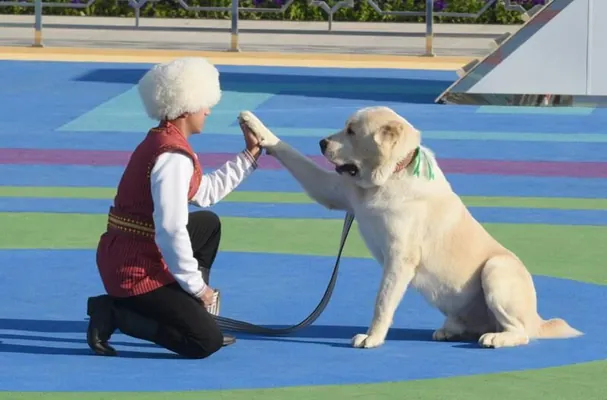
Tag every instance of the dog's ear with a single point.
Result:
(391, 132)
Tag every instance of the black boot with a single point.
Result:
(101, 325)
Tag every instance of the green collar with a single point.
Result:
(417, 160)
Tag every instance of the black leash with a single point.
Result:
(229, 324)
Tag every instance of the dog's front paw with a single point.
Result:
(264, 135)
(503, 339)
(365, 341)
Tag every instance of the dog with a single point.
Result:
(419, 230)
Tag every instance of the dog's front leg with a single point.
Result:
(325, 187)
(397, 276)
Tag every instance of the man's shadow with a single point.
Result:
(330, 335)
(29, 326)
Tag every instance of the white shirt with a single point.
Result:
(170, 180)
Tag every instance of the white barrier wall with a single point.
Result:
(597, 79)
(561, 50)
(553, 60)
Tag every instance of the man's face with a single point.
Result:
(196, 120)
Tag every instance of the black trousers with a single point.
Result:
(169, 316)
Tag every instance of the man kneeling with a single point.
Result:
(155, 257)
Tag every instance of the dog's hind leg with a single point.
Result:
(511, 298)
(397, 276)
(452, 329)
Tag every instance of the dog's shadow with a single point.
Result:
(341, 336)
(334, 335)
(329, 335)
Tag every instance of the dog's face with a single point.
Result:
(372, 142)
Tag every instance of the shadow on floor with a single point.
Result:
(45, 343)
(315, 334)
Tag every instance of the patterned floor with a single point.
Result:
(535, 177)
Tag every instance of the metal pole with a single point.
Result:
(38, 23)
(234, 35)
(429, 28)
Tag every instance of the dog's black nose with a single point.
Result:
(323, 145)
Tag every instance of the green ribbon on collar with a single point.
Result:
(418, 159)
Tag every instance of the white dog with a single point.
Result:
(419, 230)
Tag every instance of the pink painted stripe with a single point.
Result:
(530, 168)
(113, 158)
(214, 160)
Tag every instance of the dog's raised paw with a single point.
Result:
(362, 340)
(263, 134)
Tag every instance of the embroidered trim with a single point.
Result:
(251, 158)
(130, 225)
(161, 150)
(196, 176)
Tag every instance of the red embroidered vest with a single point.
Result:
(128, 259)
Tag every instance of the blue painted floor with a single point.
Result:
(43, 336)
(91, 106)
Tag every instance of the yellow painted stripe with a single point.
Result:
(76, 54)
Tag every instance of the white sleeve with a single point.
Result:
(170, 180)
(219, 183)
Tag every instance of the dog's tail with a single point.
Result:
(556, 328)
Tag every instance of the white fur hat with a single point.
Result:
(183, 85)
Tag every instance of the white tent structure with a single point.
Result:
(557, 58)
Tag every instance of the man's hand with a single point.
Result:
(251, 123)
(207, 297)
(251, 141)
(210, 301)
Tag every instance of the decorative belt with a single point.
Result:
(131, 225)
